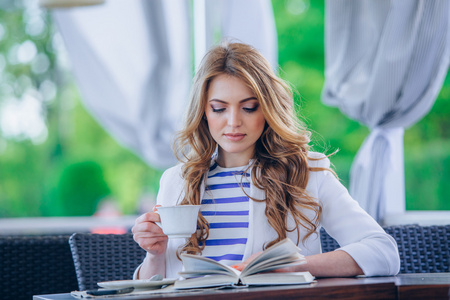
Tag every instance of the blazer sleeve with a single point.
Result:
(170, 193)
(357, 232)
(170, 187)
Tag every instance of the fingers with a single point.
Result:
(148, 217)
(242, 265)
(148, 235)
(150, 242)
(253, 256)
(147, 229)
(153, 245)
(239, 266)
(146, 224)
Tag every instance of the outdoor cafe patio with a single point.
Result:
(385, 64)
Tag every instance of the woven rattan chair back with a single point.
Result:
(104, 257)
(35, 265)
(422, 249)
(327, 242)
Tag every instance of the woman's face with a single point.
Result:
(235, 120)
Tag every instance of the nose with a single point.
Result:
(234, 119)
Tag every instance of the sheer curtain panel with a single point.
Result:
(132, 64)
(385, 62)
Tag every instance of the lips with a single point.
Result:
(235, 137)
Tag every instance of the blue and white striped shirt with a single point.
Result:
(226, 208)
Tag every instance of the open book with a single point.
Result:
(201, 272)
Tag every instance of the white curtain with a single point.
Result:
(132, 61)
(386, 61)
(132, 64)
(249, 21)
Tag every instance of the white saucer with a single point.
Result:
(137, 284)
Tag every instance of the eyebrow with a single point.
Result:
(243, 100)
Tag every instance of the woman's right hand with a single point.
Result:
(148, 235)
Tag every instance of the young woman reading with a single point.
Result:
(246, 159)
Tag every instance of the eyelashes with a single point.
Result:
(246, 109)
(252, 109)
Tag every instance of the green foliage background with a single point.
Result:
(79, 164)
(426, 144)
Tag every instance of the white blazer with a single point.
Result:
(359, 234)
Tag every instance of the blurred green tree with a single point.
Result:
(81, 186)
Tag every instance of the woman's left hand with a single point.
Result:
(242, 265)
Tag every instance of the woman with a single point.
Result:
(246, 159)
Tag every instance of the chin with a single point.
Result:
(234, 150)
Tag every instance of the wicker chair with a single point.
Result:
(32, 265)
(422, 249)
(327, 242)
(103, 257)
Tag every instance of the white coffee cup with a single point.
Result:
(178, 221)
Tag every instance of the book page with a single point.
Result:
(277, 263)
(277, 256)
(196, 273)
(206, 281)
(196, 264)
(278, 278)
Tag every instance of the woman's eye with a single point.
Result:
(217, 110)
(250, 109)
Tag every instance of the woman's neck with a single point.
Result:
(231, 161)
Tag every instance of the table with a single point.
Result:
(403, 286)
(423, 286)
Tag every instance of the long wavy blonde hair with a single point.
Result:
(280, 165)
